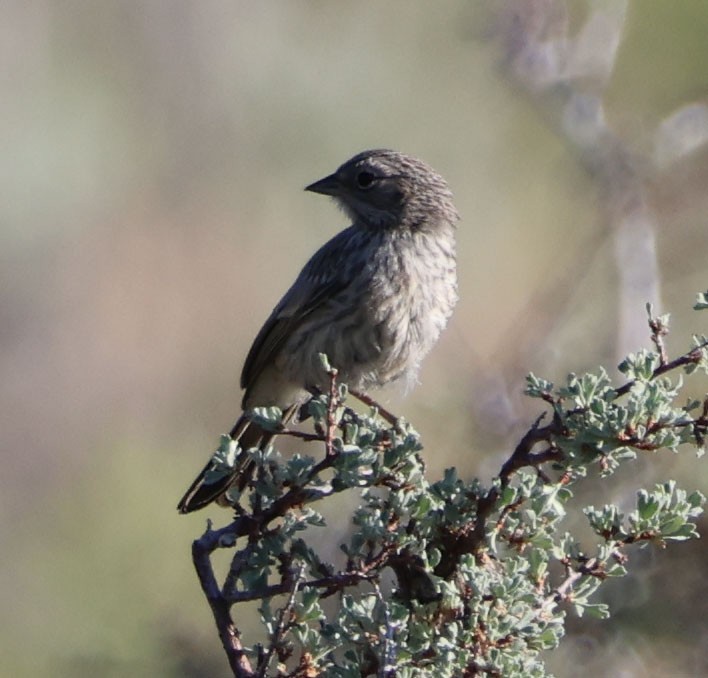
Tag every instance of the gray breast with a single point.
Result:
(380, 326)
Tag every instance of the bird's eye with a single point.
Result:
(364, 179)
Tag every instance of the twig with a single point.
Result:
(228, 633)
(331, 410)
(701, 425)
(387, 665)
(473, 541)
(331, 585)
(658, 331)
(523, 455)
(562, 592)
(592, 568)
(302, 435)
(283, 622)
(388, 416)
(238, 562)
(692, 357)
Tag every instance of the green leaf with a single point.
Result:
(537, 387)
(701, 301)
(268, 418)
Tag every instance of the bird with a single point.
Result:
(374, 299)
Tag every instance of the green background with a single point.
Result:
(151, 214)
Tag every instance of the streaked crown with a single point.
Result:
(387, 189)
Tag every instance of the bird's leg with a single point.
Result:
(368, 400)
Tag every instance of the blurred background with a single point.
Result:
(152, 213)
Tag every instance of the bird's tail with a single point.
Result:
(209, 487)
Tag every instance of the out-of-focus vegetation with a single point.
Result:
(151, 214)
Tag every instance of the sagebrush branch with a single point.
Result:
(692, 357)
(279, 496)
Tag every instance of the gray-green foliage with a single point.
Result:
(452, 577)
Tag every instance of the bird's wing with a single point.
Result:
(325, 275)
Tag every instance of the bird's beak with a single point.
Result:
(328, 186)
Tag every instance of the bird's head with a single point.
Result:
(387, 189)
